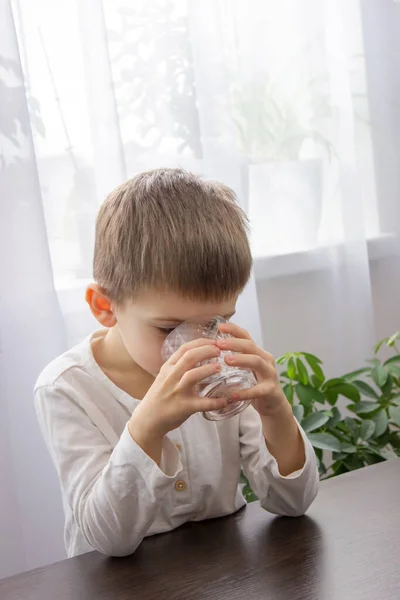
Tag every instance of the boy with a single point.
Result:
(133, 453)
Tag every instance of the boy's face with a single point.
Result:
(144, 324)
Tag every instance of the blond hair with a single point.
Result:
(170, 229)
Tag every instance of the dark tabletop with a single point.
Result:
(346, 548)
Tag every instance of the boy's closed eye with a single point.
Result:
(165, 330)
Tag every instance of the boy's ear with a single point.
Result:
(100, 305)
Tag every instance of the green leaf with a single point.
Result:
(281, 360)
(249, 494)
(312, 357)
(298, 411)
(339, 434)
(305, 394)
(308, 395)
(331, 397)
(339, 468)
(394, 370)
(333, 382)
(370, 449)
(392, 359)
(346, 389)
(385, 438)
(339, 455)
(322, 470)
(335, 418)
(395, 439)
(375, 362)
(353, 427)
(381, 422)
(355, 374)
(380, 344)
(396, 400)
(348, 448)
(318, 396)
(387, 387)
(365, 389)
(394, 412)
(243, 478)
(379, 374)
(392, 340)
(325, 441)
(302, 372)
(367, 429)
(291, 369)
(321, 465)
(288, 391)
(365, 407)
(319, 453)
(316, 382)
(314, 421)
(353, 463)
(314, 364)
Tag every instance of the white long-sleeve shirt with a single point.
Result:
(115, 495)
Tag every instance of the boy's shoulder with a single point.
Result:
(75, 358)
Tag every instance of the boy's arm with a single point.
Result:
(289, 495)
(114, 486)
(114, 493)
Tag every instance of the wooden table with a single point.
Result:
(347, 548)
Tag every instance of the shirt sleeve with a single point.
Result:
(113, 492)
(290, 495)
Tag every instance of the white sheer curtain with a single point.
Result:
(286, 101)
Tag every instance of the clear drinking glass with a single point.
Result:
(229, 379)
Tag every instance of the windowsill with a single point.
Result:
(319, 258)
(265, 267)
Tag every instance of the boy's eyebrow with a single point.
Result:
(175, 320)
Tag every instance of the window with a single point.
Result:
(271, 96)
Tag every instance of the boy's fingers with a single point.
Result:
(258, 391)
(238, 345)
(253, 362)
(193, 357)
(207, 404)
(200, 342)
(245, 347)
(194, 376)
(234, 330)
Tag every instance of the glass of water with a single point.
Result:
(221, 384)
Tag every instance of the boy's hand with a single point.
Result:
(279, 427)
(267, 395)
(172, 399)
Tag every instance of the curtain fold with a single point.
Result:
(31, 327)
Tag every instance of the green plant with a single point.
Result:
(352, 421)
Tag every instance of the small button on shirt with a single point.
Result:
(180, 486)
(114, 494)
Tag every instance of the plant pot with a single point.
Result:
(285, 206)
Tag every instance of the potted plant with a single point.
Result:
(352, 421)
(277, 126)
